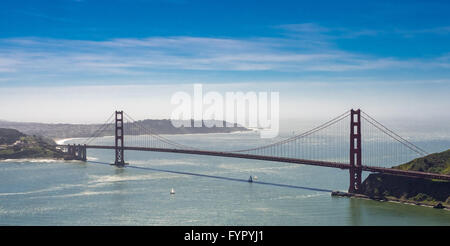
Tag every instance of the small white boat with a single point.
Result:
(255, 177)
(172, 191)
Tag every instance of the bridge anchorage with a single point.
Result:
(337, 143)
(76, 152)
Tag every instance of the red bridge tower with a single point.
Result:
(355, 151)
(120, 161)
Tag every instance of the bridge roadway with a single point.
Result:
(414, 174)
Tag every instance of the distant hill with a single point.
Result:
(413, 190)
(86, 130)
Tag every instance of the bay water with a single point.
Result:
(208, 191)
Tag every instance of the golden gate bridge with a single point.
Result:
(352, 141)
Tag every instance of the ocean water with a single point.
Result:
(209, 191)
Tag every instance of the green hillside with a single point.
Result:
(15, 145)
(433, 163)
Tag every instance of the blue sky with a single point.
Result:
(370, 54)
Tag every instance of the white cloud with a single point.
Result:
(313, 31)
(66, 58)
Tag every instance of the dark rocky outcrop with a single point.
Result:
(414, 190)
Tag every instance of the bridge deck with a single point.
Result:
(414, 174)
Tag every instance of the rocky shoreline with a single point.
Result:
(390, 199)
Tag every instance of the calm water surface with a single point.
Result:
(50, 192)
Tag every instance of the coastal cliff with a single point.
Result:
(412, 190)
(404, 189)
